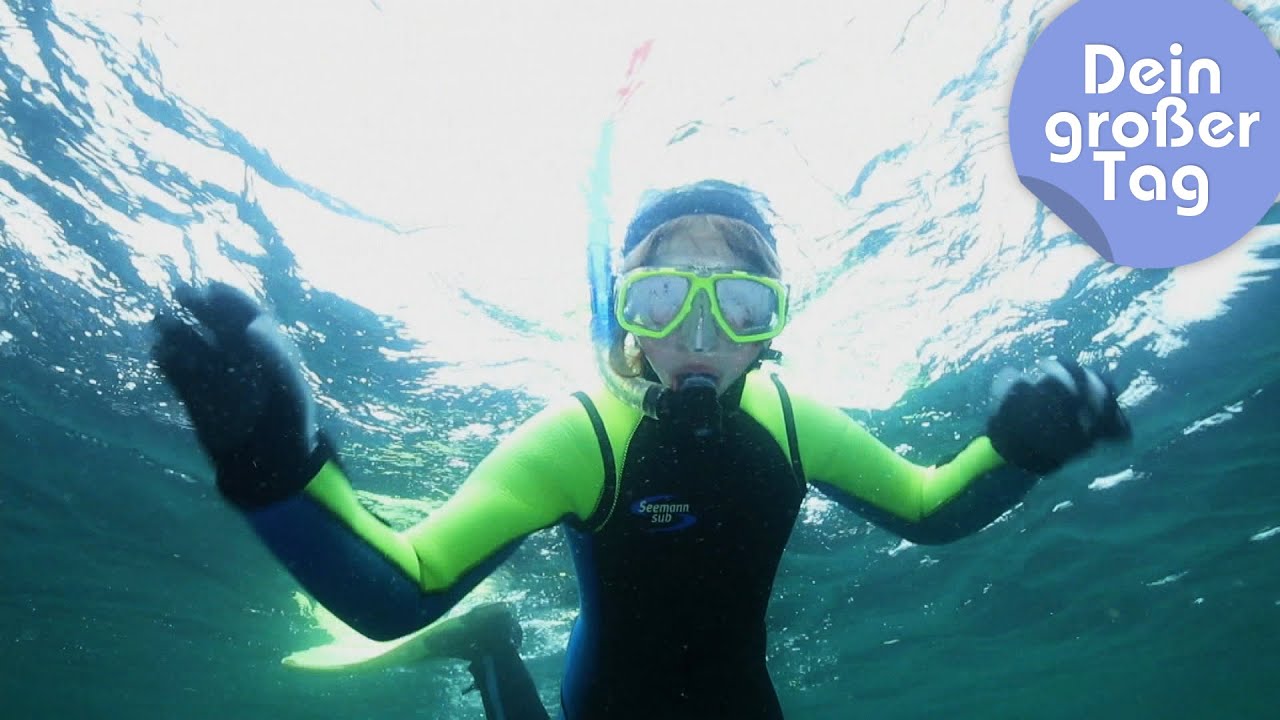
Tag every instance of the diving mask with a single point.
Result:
(653, 302)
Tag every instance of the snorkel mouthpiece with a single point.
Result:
(693, 408)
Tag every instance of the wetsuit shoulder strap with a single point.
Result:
(613, 423)
(789, 417)
(767, 401)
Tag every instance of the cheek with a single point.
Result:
(744, 354)
(656, 348)
(662, 354)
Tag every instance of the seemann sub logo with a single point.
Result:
(663, 513)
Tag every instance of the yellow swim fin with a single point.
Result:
(349, 656)
(466, 637)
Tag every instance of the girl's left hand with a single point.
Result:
(1042, 422)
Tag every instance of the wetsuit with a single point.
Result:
(675, 544)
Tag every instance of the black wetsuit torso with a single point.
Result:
(675, 585)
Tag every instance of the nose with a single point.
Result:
(701, 333)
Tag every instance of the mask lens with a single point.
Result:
(750, 307)
(653, 302)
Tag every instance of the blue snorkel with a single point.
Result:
(638, 392)
(599, 256)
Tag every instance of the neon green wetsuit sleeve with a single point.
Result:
(843, 459)
(387, 583)
(548, 469)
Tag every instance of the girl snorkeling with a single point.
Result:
(677, 483)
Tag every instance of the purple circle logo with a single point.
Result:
(1151, 127)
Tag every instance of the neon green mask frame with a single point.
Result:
(700, 283)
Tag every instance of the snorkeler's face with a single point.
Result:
(698, 346)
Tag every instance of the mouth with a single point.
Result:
(699, 374)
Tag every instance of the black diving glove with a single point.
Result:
(250, 405)
(1041, 423)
